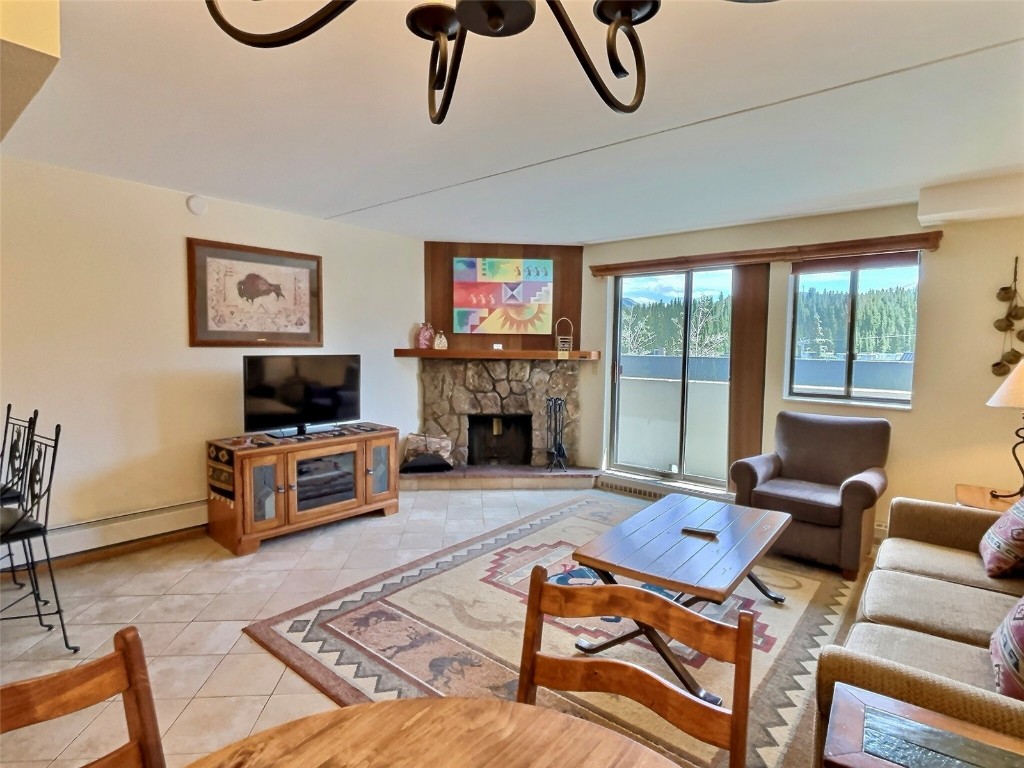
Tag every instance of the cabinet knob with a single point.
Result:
(280, 489)
(369, 471)
(292, 487)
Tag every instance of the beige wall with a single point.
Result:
(33, 24)
(95, 328)
(949, 435)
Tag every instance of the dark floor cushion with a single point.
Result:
(425, 462)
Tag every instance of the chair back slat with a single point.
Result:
(678, 706)
(710, 637)
(715, 725)
(14, 451)
(126, 756)
(124, 671)
(45, 698)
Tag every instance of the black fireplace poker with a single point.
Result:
(556, 428)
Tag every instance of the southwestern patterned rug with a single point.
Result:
(452, 623)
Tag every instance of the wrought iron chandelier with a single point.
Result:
(441, 23)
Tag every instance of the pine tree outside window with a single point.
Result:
(854, 328)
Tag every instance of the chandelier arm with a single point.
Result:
(438, 62)
(613, 58)
(293, 34)
(436, 79)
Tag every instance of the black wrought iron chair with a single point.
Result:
(13, 461)
(28, 521)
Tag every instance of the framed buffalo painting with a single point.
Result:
(242, 296)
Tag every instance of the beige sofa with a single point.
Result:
(924, 621)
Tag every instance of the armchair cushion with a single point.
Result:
(829, 449)
(1002, 546)
(805, 501)
(1007, 650)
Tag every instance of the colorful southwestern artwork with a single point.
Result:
(502, 295)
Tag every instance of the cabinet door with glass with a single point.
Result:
(264, 480)
(381, 469)
(323, 481)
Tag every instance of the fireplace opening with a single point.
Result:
(500, 439)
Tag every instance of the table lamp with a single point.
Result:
(1011, 395)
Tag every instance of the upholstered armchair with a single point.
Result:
(828, 473)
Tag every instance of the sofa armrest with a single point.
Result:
(923, 689)
(863, 489)
(749, 473)
(945, 525)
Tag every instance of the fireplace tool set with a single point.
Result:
(556, 428)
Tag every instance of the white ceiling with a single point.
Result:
(752, 112)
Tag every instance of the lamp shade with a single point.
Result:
(1011, 392)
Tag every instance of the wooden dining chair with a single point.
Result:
(124, 671)
(724, 728)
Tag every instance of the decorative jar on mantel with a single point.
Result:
(425, 337)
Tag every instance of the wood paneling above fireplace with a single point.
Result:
(568, 279)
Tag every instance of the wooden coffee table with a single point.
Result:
(651, 547)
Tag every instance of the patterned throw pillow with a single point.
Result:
(1007, 651)
(1002, 546)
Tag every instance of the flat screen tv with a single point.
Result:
(293, 394)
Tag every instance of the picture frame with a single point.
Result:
(244, 296)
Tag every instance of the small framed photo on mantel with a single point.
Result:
(243, 296)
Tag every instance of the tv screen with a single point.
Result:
(285, 392)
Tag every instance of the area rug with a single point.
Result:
(451, 624)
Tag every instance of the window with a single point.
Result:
(854, 328)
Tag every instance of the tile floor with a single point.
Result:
(190, 601)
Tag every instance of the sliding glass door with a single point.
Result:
(670, 401)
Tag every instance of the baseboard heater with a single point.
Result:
(93, 534)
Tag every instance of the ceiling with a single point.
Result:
(752, 112)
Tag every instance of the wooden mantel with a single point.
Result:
(496, 354)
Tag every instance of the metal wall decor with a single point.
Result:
(1005, 324)
(441, 23)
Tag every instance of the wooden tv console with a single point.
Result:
(260, 486)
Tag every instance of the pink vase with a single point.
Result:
(425, 337)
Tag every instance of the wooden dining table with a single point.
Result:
(449, 732)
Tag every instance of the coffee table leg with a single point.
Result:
(660, 646)
(588, 646)
(775, 597)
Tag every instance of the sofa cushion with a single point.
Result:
(1002, 546)
(805, 501)
(957, 661)
(954, 611)
(1007, 649)
(943, 563)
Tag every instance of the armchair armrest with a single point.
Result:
(749, 473)
(923, 689)
(861, 491)
(945, 525)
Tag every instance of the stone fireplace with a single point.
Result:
(453, 390)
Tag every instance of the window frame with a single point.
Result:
(853, 265)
